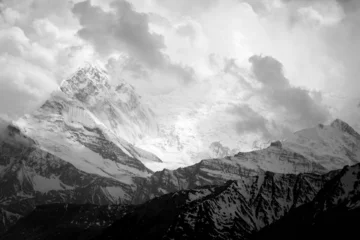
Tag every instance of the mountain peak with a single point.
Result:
(88, 80)
(343, 126)
(338, 122)
(91, 67)
(93, 71)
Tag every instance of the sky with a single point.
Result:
(249, 69)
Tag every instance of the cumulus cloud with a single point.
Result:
(186, 30)
(23, 86)
(250, 121)
(126, 32)
(24, 80)
(122, 29)
(36, 52)
(149, 81)
(296, 103)
(187, 7)
(197, 50)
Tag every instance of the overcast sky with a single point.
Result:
(268, 67)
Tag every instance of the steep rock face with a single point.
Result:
(218, 171)
(333, 214)
(231, 211)
(118, 108)
(7, 219)
(66, 221)
(206, 172)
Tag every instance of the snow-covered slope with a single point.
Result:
(72, 148)
(333, 146)
(88, 124)
(66, 129)
(30, 176)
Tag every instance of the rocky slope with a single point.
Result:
(302, 206)
(231, 211)
(316, 150)
(333, 214)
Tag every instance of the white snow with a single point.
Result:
(116, 193)
(44, 185)
(192, 196)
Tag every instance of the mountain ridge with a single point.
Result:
(75, 138)
(230, 211)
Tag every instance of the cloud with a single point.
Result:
(36, 52)
(187, 7)
(186, 30)
(296, 103)
(349, 6)
(122, 29)
(250, 121)
(4, 122)
(24, 80)
(126, 32)
(150, 81)
(10, 134)
(198, 51)
(23, 86)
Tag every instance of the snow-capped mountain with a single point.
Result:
(119, 107)
(75, 149)
(332, 146)
(84, 124)
(70, 151)
(226, 198)
(317, 150)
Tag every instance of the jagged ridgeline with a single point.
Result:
(77, 149)
(259, 207)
